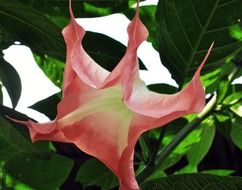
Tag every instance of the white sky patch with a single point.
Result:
(146, 3)
(35, 85)
(237, 81)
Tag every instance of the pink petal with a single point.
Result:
(100, 126)
(153, 110)
(78, 62)
(191, 99)
(43, 131)
(125, 71)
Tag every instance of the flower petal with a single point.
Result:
(125, 71)
(43, 131)
(100, 127)
(191, 99)
(78, 62)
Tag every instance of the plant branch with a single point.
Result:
(166, 151)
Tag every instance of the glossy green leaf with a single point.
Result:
(32, 28)
(199, 150)
(195, 182)
(187, 169)
(212, 79)
(187, 28)
(11, 80)
(94, 173)
(237, 109)
(233, 98)
(218, 172)
(236, 132)
(223, 122)
(193, 138)
(222, 90)
(38, 173)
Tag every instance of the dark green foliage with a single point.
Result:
(187, 28)
(195, 182)
(36, 172)
(94, 173)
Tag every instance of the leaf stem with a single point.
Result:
(166, 151)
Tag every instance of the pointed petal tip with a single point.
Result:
(70, 10)
(204, 60)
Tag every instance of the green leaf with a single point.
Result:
(53, 68)
(237, 109)
(106, 51)
(171, 130)
(31, 28)
(233, 98)
(11, 80)
(222, 90)
(187, 28)
(195, 182)
(223, 122)
(156, 175)
(199, 150)
(93, 172)
(218, 172)
(6, 150)
(187, 169)
(162, 88)
(236, 132)
(15, 139)
(38, 173)
(48, 106)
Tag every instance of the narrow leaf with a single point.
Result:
(236, 132)
(11, 80)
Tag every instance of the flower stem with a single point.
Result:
(166, 151)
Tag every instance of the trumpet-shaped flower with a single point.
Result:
(104, 113)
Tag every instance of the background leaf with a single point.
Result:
(236, 132)
(38, 173)
(195, 182)
(32, 28)
(15, 138)
(48, 106)
(93, 172)
(187, 28)
(199, 150)
(11, 80)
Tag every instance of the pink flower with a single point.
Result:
(104, 113)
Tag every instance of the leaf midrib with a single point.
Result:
(203, 31)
